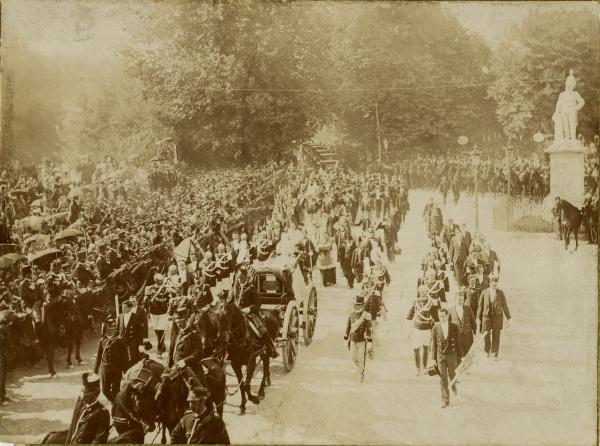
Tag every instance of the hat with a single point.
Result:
(359, 300)
(198, 394)
(91, 383)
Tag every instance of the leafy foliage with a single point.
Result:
(543, 49)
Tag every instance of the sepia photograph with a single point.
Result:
(296, 222)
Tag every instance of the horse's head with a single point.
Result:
(170, 396)
(143, 403)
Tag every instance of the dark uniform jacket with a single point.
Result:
(467, 327)
(363, 332)
(491, 315)
(112, 354)
(81, 272)
(133, 335)
(472, 298)
(186, 346)
(90, 424)
(247, 296)
(441, 347)
(52, 317)
(206, 428)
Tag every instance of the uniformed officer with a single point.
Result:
(186, 348)
(247, 299)
(91, 421)
(111, 359)
(200, 425)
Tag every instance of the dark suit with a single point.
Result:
(458, 252)
(467, 327)
(112, 360)
(491, 318)
(132, 335)
(447, 353)
(90, 424)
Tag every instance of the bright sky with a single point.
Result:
(493, 19)
(99, 26)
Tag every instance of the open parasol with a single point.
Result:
(68, 233)
(44, 256)
(37, 238)
(31, 222)
(5, 262)
(19, 192)
(15, 256)
(55, 217)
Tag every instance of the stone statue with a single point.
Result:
(565, 115)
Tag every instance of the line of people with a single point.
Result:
(443, 334)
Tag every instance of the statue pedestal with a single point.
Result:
(567, 172)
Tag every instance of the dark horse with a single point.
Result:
(244, 347)
(135, 408)
(571, 221)
(172, 392)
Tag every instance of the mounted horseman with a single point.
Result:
(245, 342)
(571, 218)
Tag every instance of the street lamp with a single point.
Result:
(476, 161)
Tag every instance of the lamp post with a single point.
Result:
(508, 153)
(476, 160)
(385, 148)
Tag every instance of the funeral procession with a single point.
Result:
(299, 222)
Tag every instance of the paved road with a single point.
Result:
(541, 391)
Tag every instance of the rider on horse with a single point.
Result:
(246, 298)
(200, 425)
(187, 347)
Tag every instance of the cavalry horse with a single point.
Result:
(135, 407)
(243, 348)
(571, 221)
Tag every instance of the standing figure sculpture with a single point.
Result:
(565, 115)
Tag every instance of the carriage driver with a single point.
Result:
(246, 297)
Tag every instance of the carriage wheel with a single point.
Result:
(310, 317)
(290, 347)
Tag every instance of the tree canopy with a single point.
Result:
(531, 65)
(242, 81)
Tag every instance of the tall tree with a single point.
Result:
(531, 65)
(228, 77)
(419, 65)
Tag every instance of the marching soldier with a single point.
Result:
(156, 300)
(91, 421)
(358, 333)
(200, 425)
(111, 360)
(422, 314)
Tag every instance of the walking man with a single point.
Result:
(358, 333)
(490, 314)
(446, 352)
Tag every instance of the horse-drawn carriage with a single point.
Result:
(284, 292)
